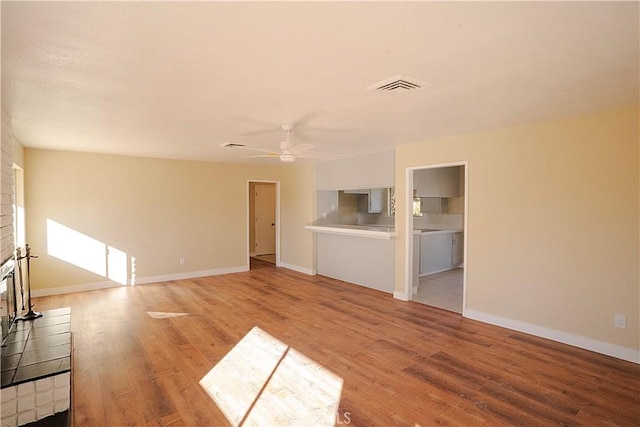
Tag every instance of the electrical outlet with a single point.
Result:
(620, 321)
(182, 261)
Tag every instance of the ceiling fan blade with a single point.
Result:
(261, 132)
(318, 155)
(244, 147)
(300, 148)
(305, 118)
(269, 156)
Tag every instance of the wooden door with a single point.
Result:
(265, 219)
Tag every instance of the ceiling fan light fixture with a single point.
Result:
(287, 158)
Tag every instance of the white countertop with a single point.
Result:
(374, 231)
(355, 230)
(422, 232)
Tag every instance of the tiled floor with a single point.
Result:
(442, 290)
(36, 365)
(37, 348)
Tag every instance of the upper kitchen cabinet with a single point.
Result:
(375, 170)
(437, 182)
(375, 200)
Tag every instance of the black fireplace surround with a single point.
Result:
(8, 307)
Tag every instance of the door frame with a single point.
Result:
(408, 277)
(277, 184)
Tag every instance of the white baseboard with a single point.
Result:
(441, 271)
(402, 296)
(190, 275)
(35, 293)
(299, 269)
(624, 353)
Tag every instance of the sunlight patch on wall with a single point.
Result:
(262, 381)
(85, 252)
(116, 265)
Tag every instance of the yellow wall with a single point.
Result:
(155, 211)
(297, 209)
(553, 222)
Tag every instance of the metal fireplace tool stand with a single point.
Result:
(30, 314)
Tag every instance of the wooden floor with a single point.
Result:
(402, 363)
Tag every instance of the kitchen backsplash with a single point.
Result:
(341, 208)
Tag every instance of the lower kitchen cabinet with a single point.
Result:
(457, 249)
(440, 252)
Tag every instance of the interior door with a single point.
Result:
(265, 219)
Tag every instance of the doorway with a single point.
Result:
(436, 260)
(263, 226)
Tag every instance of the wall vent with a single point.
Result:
(231, 145)
(398, 84)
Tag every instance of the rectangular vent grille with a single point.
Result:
(399, 83)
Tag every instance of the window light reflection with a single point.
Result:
(86, 252)
(262, 381)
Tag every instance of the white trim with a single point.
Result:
(191, 275)
(408, 243)
(431, 273)
(277, 184)
(35, 293)
(400, 295)
(408, 276)
(299, 269)
(624, 353)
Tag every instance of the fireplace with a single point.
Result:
(8, 306)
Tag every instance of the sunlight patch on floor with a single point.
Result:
(164, 315)
(262, 381)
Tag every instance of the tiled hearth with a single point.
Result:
(36, 368)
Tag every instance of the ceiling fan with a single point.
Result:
(289, 150)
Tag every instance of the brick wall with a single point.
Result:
(35, 400)
(6, 190)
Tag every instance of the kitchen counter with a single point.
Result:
(431, 232)
(360, 254)
(371, 231)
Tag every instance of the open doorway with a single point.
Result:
(437, 218)
(263, 226)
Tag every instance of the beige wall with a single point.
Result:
(297, 209)
(252, 214)
(552, 222)
(155, 211)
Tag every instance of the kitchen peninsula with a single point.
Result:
(355, 223)
(361, 254)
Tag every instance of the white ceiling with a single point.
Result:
(176, 79)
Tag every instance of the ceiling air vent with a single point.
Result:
(231, 145)
(398, 84)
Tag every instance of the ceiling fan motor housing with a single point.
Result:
(285, 157)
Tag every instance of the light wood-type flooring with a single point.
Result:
(140, 353)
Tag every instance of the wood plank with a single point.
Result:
(401, 363)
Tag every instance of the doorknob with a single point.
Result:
(273, 225)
